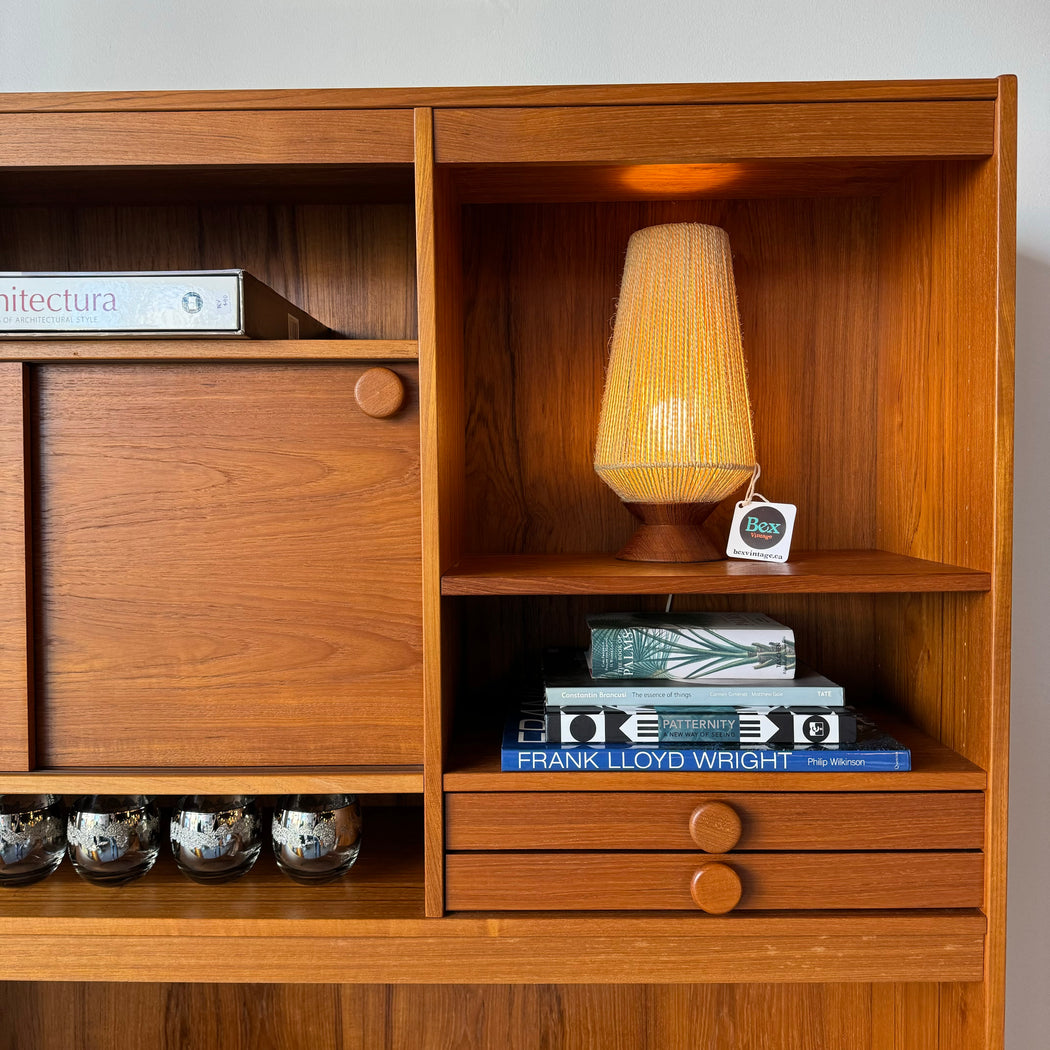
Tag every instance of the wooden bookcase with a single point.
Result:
(217, 574)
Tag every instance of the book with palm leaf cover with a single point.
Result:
(689, 646)
(568, 683)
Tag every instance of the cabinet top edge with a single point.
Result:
(533, 95)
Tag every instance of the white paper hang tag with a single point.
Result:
(761, 531)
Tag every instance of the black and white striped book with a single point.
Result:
(660, 727)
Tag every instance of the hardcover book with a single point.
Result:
(567, 682)
(169, 304)
(701, 725)
(688, 646)
(525, 749)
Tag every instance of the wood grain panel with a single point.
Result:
(741, 1017)
(824, 572)
(693, 134)
(442, 455)
(208, 349)
(535, 362)
(431, 471)
(770, 821)
(609, 881)
(987, 1007)
(946, 372)
(622, 959)
(229, 569)
(269, 780)
(352, 266)
(535, 95)
(16, 652)
(750, 179)
(257, 137)
(64, 1016)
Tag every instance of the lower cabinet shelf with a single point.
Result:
(370, 928)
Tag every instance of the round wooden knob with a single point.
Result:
(716, 888)
(379, 392)
(715, 827)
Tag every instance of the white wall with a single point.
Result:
(67, 45)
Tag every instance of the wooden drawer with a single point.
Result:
(229, 568)
(613, 881)
(715, 822)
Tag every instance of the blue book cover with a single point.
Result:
(525, 749)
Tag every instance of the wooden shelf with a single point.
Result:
(209, 350)
(319, 781)
(808, 572)
(805, 947)
(934, 768)
(369, 927)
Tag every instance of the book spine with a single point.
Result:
(628, 694)
(701, 760)
(649, 725)
(688, 653)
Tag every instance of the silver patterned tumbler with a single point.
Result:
(113, 839)
(32, 837)
(215, 838)
(316, 838)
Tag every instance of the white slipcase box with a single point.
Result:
(227, 304)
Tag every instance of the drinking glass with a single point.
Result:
(113, 838)
(32, 837)
(316, 838)
(215, 838)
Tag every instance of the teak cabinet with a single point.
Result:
(217, 573)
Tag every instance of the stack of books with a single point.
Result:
(696, 692)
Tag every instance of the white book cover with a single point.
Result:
(34, 304)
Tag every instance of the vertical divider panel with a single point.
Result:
(441, 468)
(999, 729)
(16, 650)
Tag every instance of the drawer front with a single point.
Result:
(230, 568)
(717, 884)
(716, 822)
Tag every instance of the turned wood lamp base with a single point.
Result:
(671, 532)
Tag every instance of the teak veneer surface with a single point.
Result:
(40, 140)
(537, 95)
(299, 1017)
(872, 226)
(753, 179)
(267, 780)
(691, 134)
(208, 349)
(253, 538)
(594, 880)
(16, 675)
(829, 572)
(781, 820)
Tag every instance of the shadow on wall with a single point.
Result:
(1028, 928)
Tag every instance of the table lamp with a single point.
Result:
(674, 435)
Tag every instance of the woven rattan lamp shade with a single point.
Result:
(675, 426)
